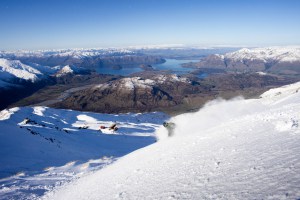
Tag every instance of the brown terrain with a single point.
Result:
(150, 91)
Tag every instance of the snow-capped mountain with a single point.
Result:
(40, 145)
(283, 60)
(65, 70)
(69, 69)
(18, 80)
(273, 54)
(237, 149)
(15, 69)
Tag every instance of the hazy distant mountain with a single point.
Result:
(87, 58)
(75, 53)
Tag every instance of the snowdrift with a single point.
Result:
(238, 149)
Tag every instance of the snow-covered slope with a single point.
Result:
(238, 149)
(274, 54)
(41, 147)
(15, 69)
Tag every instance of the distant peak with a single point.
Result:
(246, 50)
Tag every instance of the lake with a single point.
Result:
(172, 65)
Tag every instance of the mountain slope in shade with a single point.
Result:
(238, 149)
(18, 80)
(15, 69)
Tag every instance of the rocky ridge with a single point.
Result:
(131, 94)
(166, 92)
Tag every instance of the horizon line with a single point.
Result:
(153, 46)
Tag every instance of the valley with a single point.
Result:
(73, 86)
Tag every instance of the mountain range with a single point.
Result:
(76, 69)
(279, 60)
(86, 58)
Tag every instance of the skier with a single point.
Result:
(170, 126)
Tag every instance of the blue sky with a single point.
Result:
(47, 24)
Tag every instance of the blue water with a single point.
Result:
(124, 71)
(202, 75)
(172, 65)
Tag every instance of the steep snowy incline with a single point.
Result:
(41, 147)
(238, 149)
